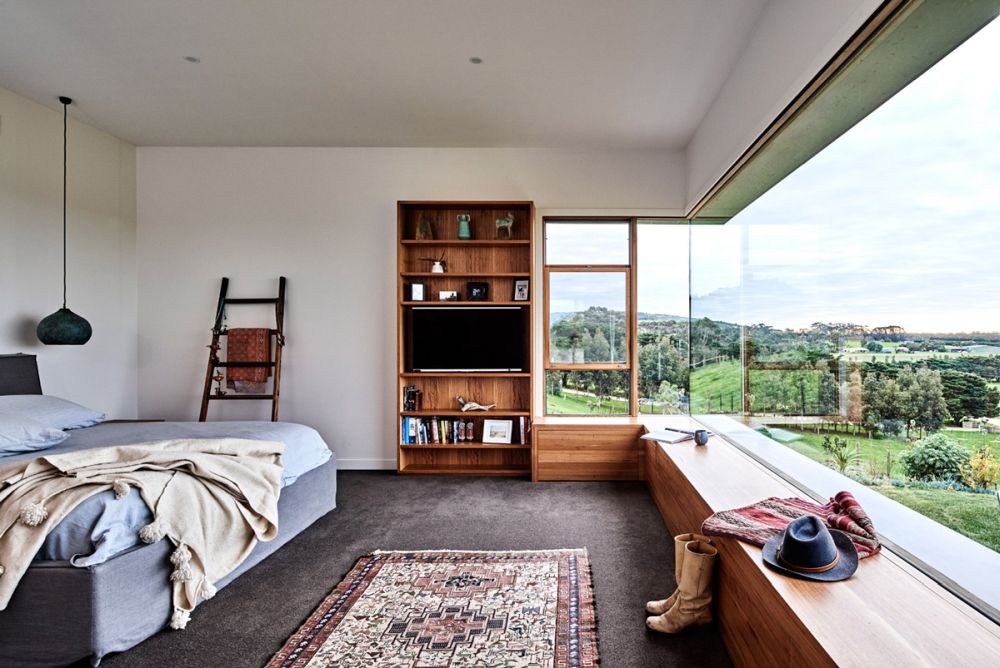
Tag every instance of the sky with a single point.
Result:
(895, 223)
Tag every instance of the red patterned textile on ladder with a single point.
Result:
(758, 523)
(248, 345)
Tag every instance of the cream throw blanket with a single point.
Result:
(213, 498)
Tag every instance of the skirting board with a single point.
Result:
(366, 464)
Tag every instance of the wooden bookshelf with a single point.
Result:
(485, 259)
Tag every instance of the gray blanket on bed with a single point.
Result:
(214, 499)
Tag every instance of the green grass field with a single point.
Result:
(873, 451)
(976, 516)
(708, 383)
(571, 404)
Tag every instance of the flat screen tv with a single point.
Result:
(467, 338)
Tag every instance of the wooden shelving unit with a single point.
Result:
(498, 263)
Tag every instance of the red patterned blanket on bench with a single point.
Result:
(757, 523)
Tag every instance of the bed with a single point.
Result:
(94, 588)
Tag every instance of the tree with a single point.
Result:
(597, 349)
(670, 397)
(874, 346)
(827, 391)
(965, 394)
(992, 402)
(923, 398)
(855, 397)
(882, 400)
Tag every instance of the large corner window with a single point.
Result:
(588, 293)
(850, 312)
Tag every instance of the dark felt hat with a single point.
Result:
(808, 549)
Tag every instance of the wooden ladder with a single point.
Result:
(218, 330)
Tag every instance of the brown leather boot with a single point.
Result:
(661, 606)
(694, 599)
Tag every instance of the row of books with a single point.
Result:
(444, 431)
(421, 431)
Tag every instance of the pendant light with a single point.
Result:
(64, 327)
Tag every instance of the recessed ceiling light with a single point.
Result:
(475, 60)
(192, 59)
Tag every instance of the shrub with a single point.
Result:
(936, 457)
(841, 452)
(982, 469)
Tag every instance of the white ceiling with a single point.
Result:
(556, 73)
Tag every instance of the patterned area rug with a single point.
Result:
(447, 609)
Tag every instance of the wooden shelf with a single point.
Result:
(465, 374)
(496, 412)
(499, 264)
(471, 445)
(466, 469)
(464, 274)
(465, 242)
(466, 303)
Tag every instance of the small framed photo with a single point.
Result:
(521, 292)
(415, 292)
(448, 295)
(477, 292)
(497, 431)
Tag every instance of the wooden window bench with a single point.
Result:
(888, 613)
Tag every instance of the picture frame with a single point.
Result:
(448, 295)
(522, 290)
(497, 431)
(415, 292)
(477, 291)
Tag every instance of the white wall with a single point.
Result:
(791, 42)
(326, 219)
(101, 231)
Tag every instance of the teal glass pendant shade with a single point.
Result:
(64, 328)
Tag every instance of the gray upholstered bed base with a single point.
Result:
(61, 614)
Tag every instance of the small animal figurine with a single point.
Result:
(506, 223)
(425, 229)
(472, 405)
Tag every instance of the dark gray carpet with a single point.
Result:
(630, 550)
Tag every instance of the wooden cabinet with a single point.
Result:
(588, 452)
(429, 231)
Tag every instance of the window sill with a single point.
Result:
(888, 611)
(947, 556)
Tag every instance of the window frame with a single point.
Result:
(547, 269)
(631, 362)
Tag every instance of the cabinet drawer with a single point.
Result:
(599, 453)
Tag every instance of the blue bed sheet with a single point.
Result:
(104, 526)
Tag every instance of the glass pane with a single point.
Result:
(662, 274)
(587, 392)
(716, 382)
(573, 242)
(587, 319)
(864, 289)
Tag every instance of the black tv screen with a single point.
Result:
(467, 338)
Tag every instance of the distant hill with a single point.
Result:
(660, 316)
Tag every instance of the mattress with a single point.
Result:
(104, 526)
(60, 614)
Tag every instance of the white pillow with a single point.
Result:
(21, 434)
(50, 411)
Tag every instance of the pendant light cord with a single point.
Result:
(65, 114)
